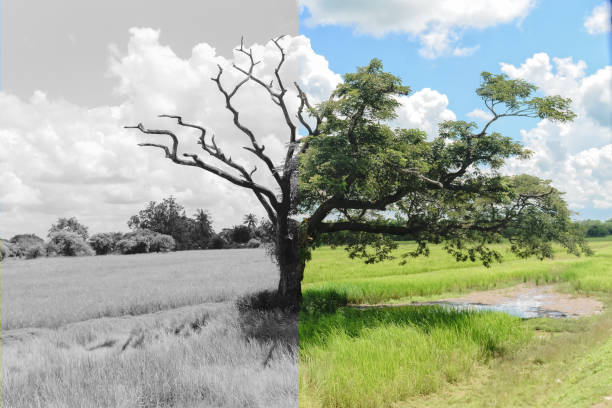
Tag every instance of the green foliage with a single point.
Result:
(595, 228)
(71, 225)
(370, 247)
(516, 96)
(357, 174)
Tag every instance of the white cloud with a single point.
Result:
(423, 110)
(60, 159)
(466, 51)
(437, 24)
(577, 156)
(599, 20)
(480, 115)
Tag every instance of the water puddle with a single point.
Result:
(523, 309)
(523, 301)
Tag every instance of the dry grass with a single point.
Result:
(50, 292)
(206, 355)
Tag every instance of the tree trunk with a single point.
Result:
(291, 269)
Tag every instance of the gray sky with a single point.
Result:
(62, 46)
(64, 151)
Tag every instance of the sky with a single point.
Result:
(73, 75)
(440, 47)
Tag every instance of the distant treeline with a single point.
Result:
(159, 227)
(596, 228)
(590, 229)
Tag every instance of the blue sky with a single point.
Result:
(554, 27)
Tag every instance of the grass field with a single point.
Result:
(426, 357)
(50, 292)
(145, 331)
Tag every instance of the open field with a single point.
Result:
(49, 292)
(145, 331)
(430, 357)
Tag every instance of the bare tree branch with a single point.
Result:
(256, 149)
(217, 153)
(195, 161)
(277, 97)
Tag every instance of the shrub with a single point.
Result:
(6, 249)
(67, 243)
(23, 242)
(143, 241)
(240, 234)
(70, 225)
(253, 243)
(36, 251)
(162, 243)
(217, 242)
(127, 246)
(105, 243)
(137, 245)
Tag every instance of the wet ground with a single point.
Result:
(523, 301)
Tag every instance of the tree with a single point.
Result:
(240, 234)
(168, 218)
(356, 173)
(202, 231)
(70, 225)
(279, 207)
(68, 243)
(106, 242)
(250, 220)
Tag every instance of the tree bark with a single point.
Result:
(291, 268)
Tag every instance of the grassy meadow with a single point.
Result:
(155, 330)
(50, 292)
(433, 357)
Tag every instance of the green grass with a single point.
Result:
(440, 273)
(371, 358)
(429, 356)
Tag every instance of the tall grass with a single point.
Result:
(371, 358)
(378, 357)
(154, 330)
(440, 274)
(50, 292)
(159, 363)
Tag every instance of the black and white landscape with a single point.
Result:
(131, 280)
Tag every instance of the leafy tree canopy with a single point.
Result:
(359, 174)
(69, 225)
(168, 217)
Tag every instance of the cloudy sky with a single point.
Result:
(439, 48)
(74, 75)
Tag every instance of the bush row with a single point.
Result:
(68, 243)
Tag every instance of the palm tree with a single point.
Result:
(250, 220)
